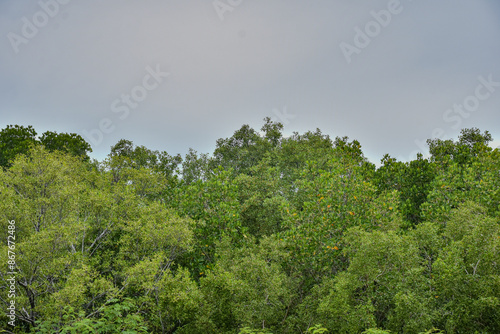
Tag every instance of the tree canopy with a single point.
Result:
(18, 139)
(269, 234)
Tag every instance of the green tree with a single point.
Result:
(331, 200)
(213, 205)
(383, 286)
(413, 182)
(40, 194)
(295, 152)
(71, 143)
(124, 154)
(467, 273)
(117, 317)
(246, 148)
(83, 240)
(239, 152)
(478, 182)
(195, 167)
(470, 144)
(388, 176)
(261, 199)
(17, 139)
(14, 140)
(246, 288)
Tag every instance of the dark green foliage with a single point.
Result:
(240, 152)
(416, 180)
(261, 200)
(125, 155)
(14, 140)
(412, 181)
(66, 142)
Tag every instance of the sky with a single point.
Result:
(176, 74)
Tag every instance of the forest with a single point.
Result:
(267, 234)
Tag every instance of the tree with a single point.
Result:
(14, 140)
(246, 288)
(246, 148)
(117, 317)
(214, 207)
(272, 235)
(471, 143)
(195, 167)
(352, 149)
(83, 241)
(388, 176)
(478, 181)
(40, 194)
(239, 152)
(412, 181)
(273, 132)
(71, 143)
(261, 199)
(297, 149)
(383, 269)
(329, 201)
(124, 154)
(415, 179)
(467, 273)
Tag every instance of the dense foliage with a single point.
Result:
(270, 234)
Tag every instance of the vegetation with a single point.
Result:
(270, 234)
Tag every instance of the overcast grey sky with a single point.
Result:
(177, 74)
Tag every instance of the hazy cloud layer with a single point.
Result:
(391, 90)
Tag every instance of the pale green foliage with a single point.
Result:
(157, 230)
(44, 190)
(317, 329)
(384, 268)
(82, 284)
(410, 283)
(41, 193)
(248, 330)
(468, 273)
(116, 317)
(376, 331)
(170, 299)
(80, 236)
(247, 287)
